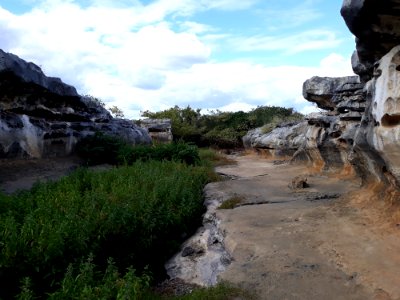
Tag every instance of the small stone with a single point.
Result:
(299, 182)
(188, 251)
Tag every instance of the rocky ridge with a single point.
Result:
(41, 116)
(359, 130)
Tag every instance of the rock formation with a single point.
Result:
(160, 130)
(360, 129)
(41, 116)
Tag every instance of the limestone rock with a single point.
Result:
(327, 92)
(42, 116)
(160, 130)
(281, 141)
(383, 132)
(323, 139)
(376, 25)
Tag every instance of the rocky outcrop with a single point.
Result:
(160, 130)
(323, 139)
(376, 25)
(283, 141)
(41, 116)
(361, 126)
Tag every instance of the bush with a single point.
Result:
(105, 149)
(100, 149)
(135, 214)
(220, 129)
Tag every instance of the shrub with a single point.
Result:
(101, 148)
(219, 129)
(135, 214)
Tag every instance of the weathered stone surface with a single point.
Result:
(42, 116)
(324, 140)
(160, 130)
(383, 129)
(328, 92)
(29, 72)
(376, 25)
(282, 141)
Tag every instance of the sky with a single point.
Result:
(154, 54)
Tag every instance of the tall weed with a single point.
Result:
(135, 214)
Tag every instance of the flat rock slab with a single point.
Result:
(308, 244)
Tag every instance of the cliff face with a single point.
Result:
(360, 129)
(41, 116)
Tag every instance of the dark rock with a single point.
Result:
(376, 27)
(188, 251)
(29, 72)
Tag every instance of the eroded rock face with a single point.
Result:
(283, 141)
(41, 116)
(324, 140)
(383, 131)
(376, 25)
(160, 130)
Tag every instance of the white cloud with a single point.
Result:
(130, 57)
(316, 39)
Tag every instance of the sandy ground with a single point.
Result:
(306, 244)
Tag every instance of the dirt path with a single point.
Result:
(306, 244)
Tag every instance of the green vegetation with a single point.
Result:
(232, 202)
(87, 233)
(221, 129)
(222, 291)
(106, 234)
(100, 148)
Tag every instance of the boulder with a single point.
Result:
(41, 116)
(328, 92)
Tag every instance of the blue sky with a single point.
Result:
(210, 54)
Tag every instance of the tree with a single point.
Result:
(116, 112)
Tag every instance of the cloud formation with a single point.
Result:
(132, 55)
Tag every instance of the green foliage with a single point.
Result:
(184, 122)
(101, 148)
(179, 151)
(135, 214)
(221, 129)
(116, 111)
(232, 202)
(222, 291)
(91, 100)
(88, 283)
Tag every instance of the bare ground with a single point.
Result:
(316, 243)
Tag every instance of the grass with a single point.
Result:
(222, 291)
(232, 202)
(214, 157)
